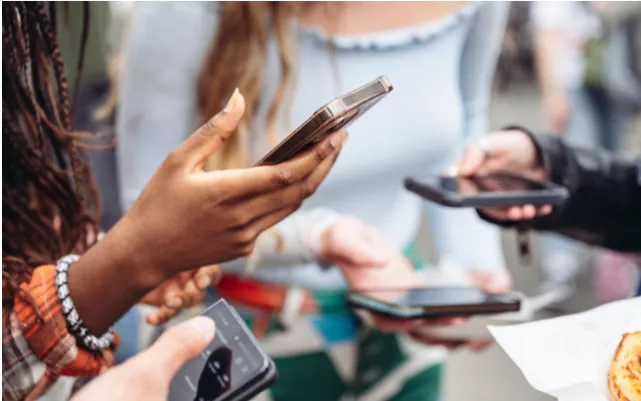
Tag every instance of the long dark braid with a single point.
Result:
(49, 199)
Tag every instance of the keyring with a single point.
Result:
(484, 145)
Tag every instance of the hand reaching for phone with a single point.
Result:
(501, 151)
(368, 260)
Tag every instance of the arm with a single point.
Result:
(482, 242)
(604, 207)
(548, 20)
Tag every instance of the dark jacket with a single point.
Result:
(604, 207)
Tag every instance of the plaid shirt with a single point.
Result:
(37, 348)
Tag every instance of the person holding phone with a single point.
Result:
(290, 58)
(147, 376)
(604, 206)
(64, 284)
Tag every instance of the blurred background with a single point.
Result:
(574, 276)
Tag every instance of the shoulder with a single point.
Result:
(173, 20)
(165, 35)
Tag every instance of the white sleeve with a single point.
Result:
(459, 233)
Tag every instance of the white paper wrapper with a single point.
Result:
(568, 357)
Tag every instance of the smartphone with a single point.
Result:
(331, 118)
(232, 368)
(501, 189)
(432, 302)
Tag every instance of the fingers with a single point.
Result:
(192, 153)
(392, 325)
(161, 316)
(430, 340)
(472, 160)
(493, 281)
(357, 244)
(264, 179)
(516, 213)
(208, 276)
(271, 208)
(178, 345)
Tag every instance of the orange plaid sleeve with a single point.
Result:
(44, 327)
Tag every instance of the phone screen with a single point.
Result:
(488, 183)
(230, 362)
(425, 297)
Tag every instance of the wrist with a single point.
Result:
(537, 165)
(111, 277)
(319, 240)
(133, 256)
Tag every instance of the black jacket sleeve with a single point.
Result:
(604, 207)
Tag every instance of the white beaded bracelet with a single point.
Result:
(74, 322)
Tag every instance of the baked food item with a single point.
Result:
(624, 377)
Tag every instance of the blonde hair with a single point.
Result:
(237, 58)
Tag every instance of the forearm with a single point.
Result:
(110, 278)
(546, 53)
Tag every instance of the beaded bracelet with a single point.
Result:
(74, 322)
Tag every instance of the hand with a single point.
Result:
(369, 261)
(511, 151)
(184, 290)
(351, 244)
(186, 218)
(556, 111)
(147, 376)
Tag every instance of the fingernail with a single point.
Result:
(338, 139)
(231, 103)
(205, 326)
(203, 282)
(174, 301)
(152, 320)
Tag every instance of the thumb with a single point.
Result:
(472, 160)
(180, 344)
(208, 138)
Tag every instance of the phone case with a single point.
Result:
(261, 385)
(331, 118)
(233, 350)
(551, 195)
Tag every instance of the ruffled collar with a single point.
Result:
(396, 37)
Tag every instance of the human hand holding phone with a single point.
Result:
(146, 377)
(511, 150)
(368, 260)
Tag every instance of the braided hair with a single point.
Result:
(50, 203)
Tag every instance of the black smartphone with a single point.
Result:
(432, 302)
(232, 368)
(334, 116)
(501, 189)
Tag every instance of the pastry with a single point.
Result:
(624, 377)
